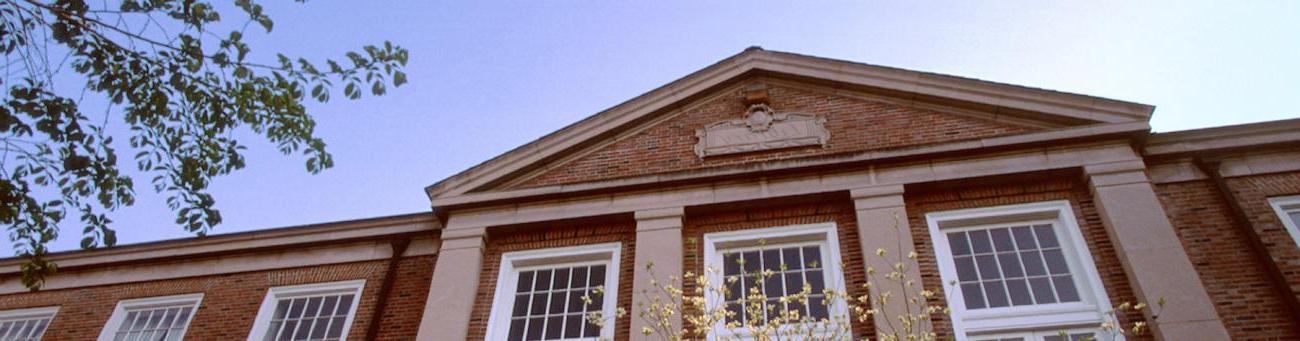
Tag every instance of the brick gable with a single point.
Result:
(855, 124)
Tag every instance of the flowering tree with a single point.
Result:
(896, 304)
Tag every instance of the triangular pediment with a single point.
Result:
(810, 107)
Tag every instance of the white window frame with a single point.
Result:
(1038, 335)
(1090, 311)
(512, 263)
(1284, 205)
(31, 314)
(823, 233)
(114, 323)
(274, 295)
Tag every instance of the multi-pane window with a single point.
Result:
(768, 264)
(25, 324)
(1011, 266)
(792, 269)
(553, 294)
(1044, 335)
(316, 317)
(552, 303)
(152, 318)
(1019, 272)
(1288, 210)
(313, 312)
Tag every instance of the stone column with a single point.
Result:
(658, 241)
(882, 224)
(454, 286)
(1151, 253)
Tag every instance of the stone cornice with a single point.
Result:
(1227, 138)
(234, 243)
(909, 85)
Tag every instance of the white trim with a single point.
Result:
(1039, 335)
(26, 314)
(514, 262)
(1090, 311)
(823, 234)
(1284, 205)
(119, 313)
(274, 295)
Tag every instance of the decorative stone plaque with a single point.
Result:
(761, 129)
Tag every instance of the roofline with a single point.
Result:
(1225, 138)
(329, 232)
(918, 85)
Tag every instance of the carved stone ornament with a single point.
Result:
(761, 129)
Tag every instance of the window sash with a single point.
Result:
(1092, 304)
(823, 235)
(1054, 280)
(279, 311)
(1288, 211)
(513, 264)
(25, 324)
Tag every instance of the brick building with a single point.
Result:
(1032, 212)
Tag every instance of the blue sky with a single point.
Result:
(488, 76)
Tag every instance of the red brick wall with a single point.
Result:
(854, 125)
(1237, 282)
(837, 209)
(551, 235)
(962, 196)
(231, 301)
(1253, 192)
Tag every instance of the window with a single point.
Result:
(1023, 268)
(1288, 209)
(547, 294)
(25, 324)
(1049, 335)
(797, 255)
(315, 312)
(154, 318)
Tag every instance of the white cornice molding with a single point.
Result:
(997, 95)
(281, 237)
(1223, 138)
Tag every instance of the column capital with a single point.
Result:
(1116, 173)
(660, 213)
(877, 197)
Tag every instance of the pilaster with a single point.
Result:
(454, 285)
(1151, 253)
(882, 225)
(658, 242)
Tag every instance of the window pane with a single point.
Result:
(812, 257)
(573, 326)
(731, 264)
(561, 279)
(597, 275)
(996, 294)
(1046, 236)
(535, 328)
(578, 277)
(972, 295)
(554, 327)
(1010, 265)
(1033, 263)
(965, 269)
(790, 257)
(516, 330)
(557, 302)
(1001, 239)
(1019, 290)
(1065, 289)
(1055, 262)
(751, 261)
(772, 260)
(542, 281)
(525, 282)
(1024, 237)
(988, 267)
(1295, 217)
(958, 243)
(1042, 288)
(979, 241)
